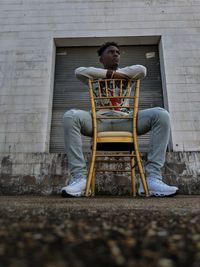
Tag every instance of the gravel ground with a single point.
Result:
(101, 231)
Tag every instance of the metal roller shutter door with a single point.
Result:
(70, 93)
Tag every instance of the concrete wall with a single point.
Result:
(44, 173)
(28, 29)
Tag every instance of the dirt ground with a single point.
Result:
(101, 231)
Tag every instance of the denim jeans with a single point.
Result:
(156, 120)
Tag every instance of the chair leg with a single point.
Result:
(133, 176)
(142, 176)
(90, 174)
(93, 181)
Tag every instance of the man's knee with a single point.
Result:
(70, 118)
(71, 113)
(162, 115)
(74, 114)
(79, 119)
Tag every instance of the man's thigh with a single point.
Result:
(143, 124)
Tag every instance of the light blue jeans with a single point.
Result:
(156, 120)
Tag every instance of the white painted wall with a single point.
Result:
(27, 31)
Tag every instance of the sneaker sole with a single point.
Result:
(164, 195)
(65, 194)
(158, 194)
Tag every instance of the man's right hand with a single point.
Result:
(116, 75)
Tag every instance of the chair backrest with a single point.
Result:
(114, 99)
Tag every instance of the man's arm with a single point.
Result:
(134, 72)
(131, 72)
(83, 74)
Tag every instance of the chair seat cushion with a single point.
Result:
(115, 141)
(114, 134)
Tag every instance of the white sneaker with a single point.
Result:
(157, 188)
(76, 187)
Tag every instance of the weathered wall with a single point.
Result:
(28, 28)
(41, 173)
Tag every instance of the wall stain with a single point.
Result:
(46, 174)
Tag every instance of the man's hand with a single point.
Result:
(116, 75)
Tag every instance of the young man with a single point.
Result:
(77, 122)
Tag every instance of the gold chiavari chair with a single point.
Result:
(108, 95)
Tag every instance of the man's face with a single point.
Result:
(110, 58)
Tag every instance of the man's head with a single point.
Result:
(109, 55)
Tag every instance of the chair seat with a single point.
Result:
(115, 141)
(114, 134)
(114, 137)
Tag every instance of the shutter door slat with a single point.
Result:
(70, 93)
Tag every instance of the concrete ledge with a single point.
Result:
(45, 174)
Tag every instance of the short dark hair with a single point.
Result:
(104, 46)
